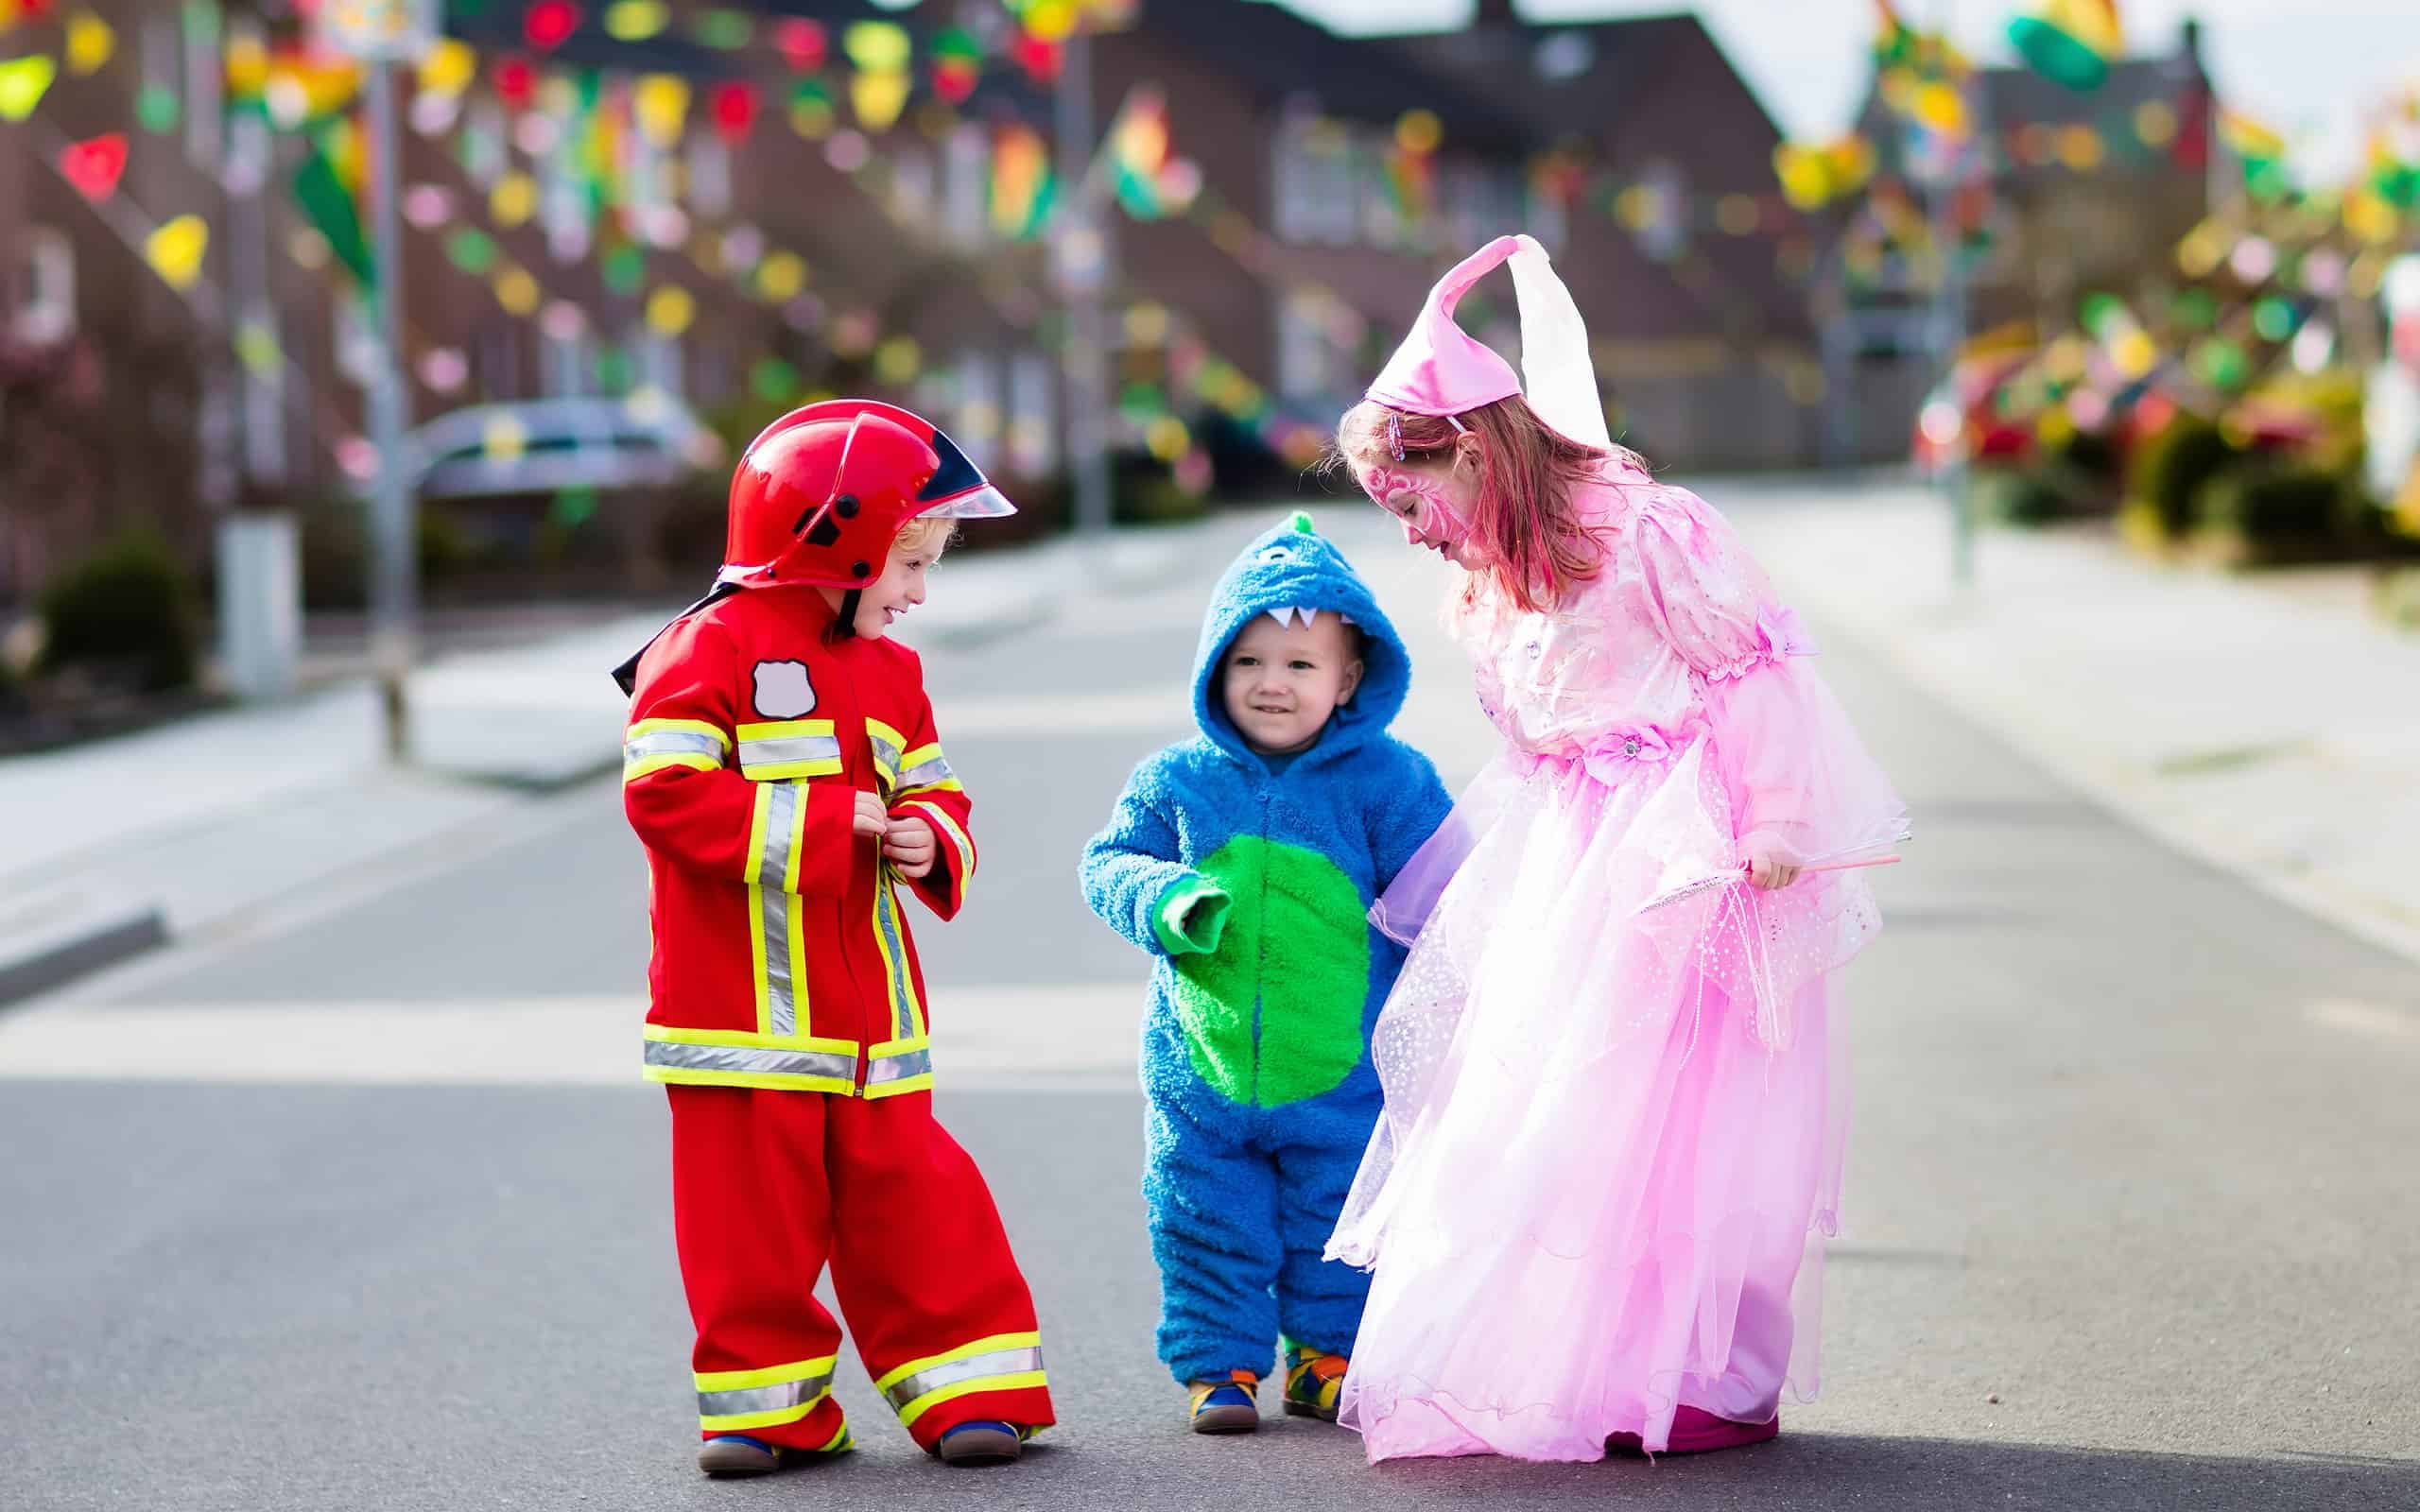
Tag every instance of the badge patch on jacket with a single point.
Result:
(782, 691)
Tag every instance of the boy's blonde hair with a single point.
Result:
(926, 533)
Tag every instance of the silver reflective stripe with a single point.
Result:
(753, 1059)
(773, 909)
(885, 758)
(775, 1398)
(936, 770)
(790, 749)
(899, 1068)
(902, 987)
(1001, 1363)
(671, 743)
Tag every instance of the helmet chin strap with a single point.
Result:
(844, 619)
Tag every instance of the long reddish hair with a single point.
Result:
(1527, 517)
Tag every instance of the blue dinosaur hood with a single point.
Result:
(1293, 565)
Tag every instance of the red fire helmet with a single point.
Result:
(820, 495)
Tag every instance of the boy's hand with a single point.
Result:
(872, 819)
(910, 848)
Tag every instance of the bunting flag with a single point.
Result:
(2070, 41)
(327, 202)
(1148, 180)
(1022, 190)
(95, 167)
(175, 251)
(23, 83)
(91, 44)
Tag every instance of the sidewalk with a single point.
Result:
(2269, 726)
(114, 847)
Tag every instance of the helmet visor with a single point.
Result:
(959, 489)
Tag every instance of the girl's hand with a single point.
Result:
(1766, 868)
(910, 846)
(872, 819)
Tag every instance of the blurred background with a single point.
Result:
(371, 378)
(1136, 258)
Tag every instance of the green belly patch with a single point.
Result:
(1295, 945)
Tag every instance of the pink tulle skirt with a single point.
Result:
(1612, 1137)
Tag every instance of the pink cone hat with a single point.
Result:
(1440, 370)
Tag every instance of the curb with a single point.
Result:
(79, 949)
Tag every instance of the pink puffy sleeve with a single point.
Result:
(1799, 776)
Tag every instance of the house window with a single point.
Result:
(562, 208)
(1033, 435)
(709, 175)
(46, 288)
(1309, 364)
(483, 157)
(965, 182)
(911, 184)
(569, 359)
(659, 361)
(1315, 183)
(204, 72)
(976, 419)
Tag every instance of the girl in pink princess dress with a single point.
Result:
(1596, 1204)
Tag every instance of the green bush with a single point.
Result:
(125, 611)
(2018, 495)
(2288, 512)
(2171, 468)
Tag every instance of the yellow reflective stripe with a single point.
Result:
(735, 1401)
(948, 827)
(898, 1067)
(649, 765)
(673, 1035)
(1004, 1362)
(683, 727)
(772, 750)
(760, 1080)
(886, 745)
(782, 728)
(651, 746)
(776, 933)
(899, 986)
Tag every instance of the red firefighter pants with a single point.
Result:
(767, 1186)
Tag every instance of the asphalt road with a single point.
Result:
(2131, 1216)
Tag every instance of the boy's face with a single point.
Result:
(1282, 682)
(900, 587)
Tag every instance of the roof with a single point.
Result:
(1277, 54)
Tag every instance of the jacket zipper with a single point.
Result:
(1260, 966)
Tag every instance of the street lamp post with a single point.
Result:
(1080, 253)
(382, 33)
(394, 584)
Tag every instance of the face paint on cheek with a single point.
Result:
(1386, 484)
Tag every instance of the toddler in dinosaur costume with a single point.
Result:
(1245, 860)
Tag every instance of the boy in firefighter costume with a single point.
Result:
(1244, 861)
(781, 769)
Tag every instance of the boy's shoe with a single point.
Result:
(1313, 1383)
(729, 1456)
(1695, 1431)
(983, 1442)
(1226, 1406)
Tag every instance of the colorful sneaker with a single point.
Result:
(1226, 1406)
(730, 1456)
(981, 1442)
(1695, 1431)
(1313, 1381)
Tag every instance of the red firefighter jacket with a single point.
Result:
(782, 956)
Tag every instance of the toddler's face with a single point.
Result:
(1282, 682)
(899, 588)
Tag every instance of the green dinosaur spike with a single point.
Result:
(1301, 523)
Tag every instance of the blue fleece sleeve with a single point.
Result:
(1406, 811)
(1133, 878)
